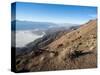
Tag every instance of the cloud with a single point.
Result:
(25, 37)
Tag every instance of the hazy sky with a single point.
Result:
(55, 13)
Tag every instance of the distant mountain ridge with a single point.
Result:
(25, 25)
(30, 25)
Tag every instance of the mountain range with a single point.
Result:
(74, 48)
(31, 25)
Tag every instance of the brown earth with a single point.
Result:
(74, 50)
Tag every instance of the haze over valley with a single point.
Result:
(27, 31)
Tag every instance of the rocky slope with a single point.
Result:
(72, 50)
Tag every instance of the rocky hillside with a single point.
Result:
(50, 35)
(72, 50)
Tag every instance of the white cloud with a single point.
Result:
(25, 37)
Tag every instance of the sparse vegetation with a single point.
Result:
(78, 52)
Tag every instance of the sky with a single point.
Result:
(54, 13)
